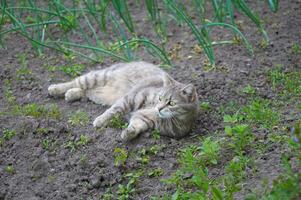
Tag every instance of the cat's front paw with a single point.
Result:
(128, 134)
(100, 122)
(55, 90)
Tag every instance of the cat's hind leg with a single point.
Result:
(140, 121)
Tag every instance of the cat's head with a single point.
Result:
(176, 99)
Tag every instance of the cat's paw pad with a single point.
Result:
(128, 134)
(100, 122)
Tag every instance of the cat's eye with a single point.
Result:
(160, 98)
(171, 103)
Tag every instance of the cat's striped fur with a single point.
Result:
(150, 95)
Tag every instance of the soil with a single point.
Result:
(89, 171)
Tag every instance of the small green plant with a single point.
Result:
(286, 83)
(8, 134)
(237, 117)
(46, 144)
(210, 151)
(236, 168)
(296, 49)
(108, 195)
(8, 93)
(42, 130)
(54, 112)
(156, 134)
(78, 118)
(23, 73)
(156, 172)
(248, 90)
(205, 106)
(120, 156)
(83, 140)
(73, 70)
(142, 156)
(260, 112)
(71, 145)
(241, 136)
(125, 191)
(34, 110)
(10, 169)
(22, 59)
(116, 122)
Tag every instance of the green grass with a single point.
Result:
(82, 141)
(78, 118)
(285, 83)
(120, 156)
(117, 122)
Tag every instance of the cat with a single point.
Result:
(153, 98)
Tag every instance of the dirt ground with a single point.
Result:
(58, 172)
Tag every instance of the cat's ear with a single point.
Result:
(167, 80)
(190, 92)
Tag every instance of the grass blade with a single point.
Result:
(101, 50)
(241, 4)
(274, 5)
(124, 13)
(217, 6)
(236, 31)
(118, 27)
(161, 53)
(203, 41)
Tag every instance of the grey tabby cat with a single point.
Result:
(150, 95)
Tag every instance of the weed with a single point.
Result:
(116, 122)
(8, 93)
(22, 59)
(54, 112)
(33, 110)
(205, 106)
(241, 136)
(156, 134)
(260, 112)
(142, 156)
(248, 90)
(73, 70)
(120, 156)
(156, 172)
(296, 49)
(287, 84)
(237, 117)
(23, 73)
(108, 195)
(10, 169)
(46, 144)
(8, 134)
(71, 145)
(78, 118)
(83, 140)
(42, 130)
(210, 151)
(236, 168)
(124, 191)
